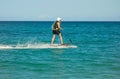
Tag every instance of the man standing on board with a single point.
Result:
(56, 31)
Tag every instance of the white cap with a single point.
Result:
(58, 19)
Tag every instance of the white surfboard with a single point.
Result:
(62, 46)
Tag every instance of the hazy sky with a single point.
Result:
(47, 10)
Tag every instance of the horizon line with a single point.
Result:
(52, 21)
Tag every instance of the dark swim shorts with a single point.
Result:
(56, 32)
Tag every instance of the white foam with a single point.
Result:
(5, 47)
(36, 46)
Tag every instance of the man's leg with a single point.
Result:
(61, 40)
(53, 37)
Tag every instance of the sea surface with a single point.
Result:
(97, 55)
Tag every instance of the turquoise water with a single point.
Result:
(96, 57)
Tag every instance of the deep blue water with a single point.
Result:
(96, 57)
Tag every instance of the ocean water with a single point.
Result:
(97, 55)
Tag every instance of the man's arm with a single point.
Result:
(59, 27)
(52, 26)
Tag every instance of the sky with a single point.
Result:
(68, 10)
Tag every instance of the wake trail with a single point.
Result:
(36, 46)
